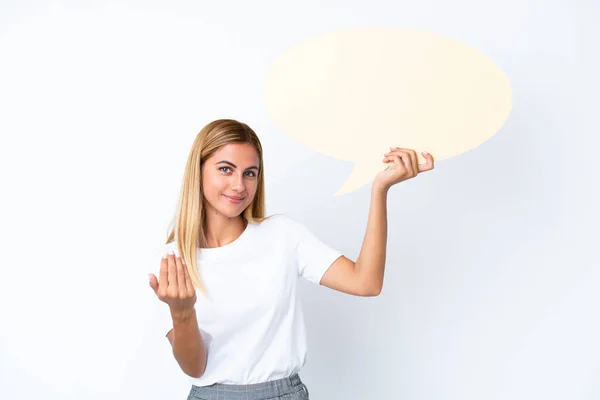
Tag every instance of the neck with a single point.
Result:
(220, 230)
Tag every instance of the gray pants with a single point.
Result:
(290, 388)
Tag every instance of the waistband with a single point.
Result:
(253, 391)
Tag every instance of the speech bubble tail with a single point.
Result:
(361, 174)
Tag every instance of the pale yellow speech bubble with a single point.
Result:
(351, 94)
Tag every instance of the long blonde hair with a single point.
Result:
(191, 214)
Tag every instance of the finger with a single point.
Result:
(396, 151)
(188, 279)
(152, 282)
(403, 159)
(180, 276)
(189, 285)
(164, 270)
(172, 274)
(413, 159)
(428, 166)
(391, 161)
(408, 163)
(397, 163)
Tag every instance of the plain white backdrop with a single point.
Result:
(492, 273)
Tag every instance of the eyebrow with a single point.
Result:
(235, 166)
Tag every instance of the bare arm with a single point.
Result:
(370, 264)
(187, 343)
(175, 288)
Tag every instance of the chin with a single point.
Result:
(232, 212)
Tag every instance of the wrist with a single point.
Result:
(379, 188)
(183, 316)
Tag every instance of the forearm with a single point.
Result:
(188, 346)
(370, 264)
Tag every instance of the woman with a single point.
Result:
(244, 337)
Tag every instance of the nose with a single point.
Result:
(238, 183)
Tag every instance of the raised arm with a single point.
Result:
(177, 291)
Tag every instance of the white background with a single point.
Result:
(492, 273)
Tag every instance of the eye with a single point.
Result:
(253, 174)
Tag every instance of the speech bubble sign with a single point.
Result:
(352, 93)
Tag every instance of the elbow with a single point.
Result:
(372, 292)
(192, 367)
(197, 376)
(197, 373)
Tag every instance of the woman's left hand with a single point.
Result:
(403, 166)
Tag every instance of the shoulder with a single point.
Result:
(282, 222)
(275, 219)
(284, 219)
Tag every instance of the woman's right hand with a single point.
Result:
(175, 286)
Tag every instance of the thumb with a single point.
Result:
(153, 282)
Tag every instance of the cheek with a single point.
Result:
(212, 189)
(252, 194)
(214, 184)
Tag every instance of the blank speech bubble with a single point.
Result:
(352, 93)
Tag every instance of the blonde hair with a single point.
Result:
(191, 214)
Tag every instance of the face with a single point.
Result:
(230, 171)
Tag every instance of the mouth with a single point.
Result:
(234, 199)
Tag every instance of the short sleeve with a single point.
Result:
(314, 257)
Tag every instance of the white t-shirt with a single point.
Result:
(253, 329)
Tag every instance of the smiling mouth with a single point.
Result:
(234, 198)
